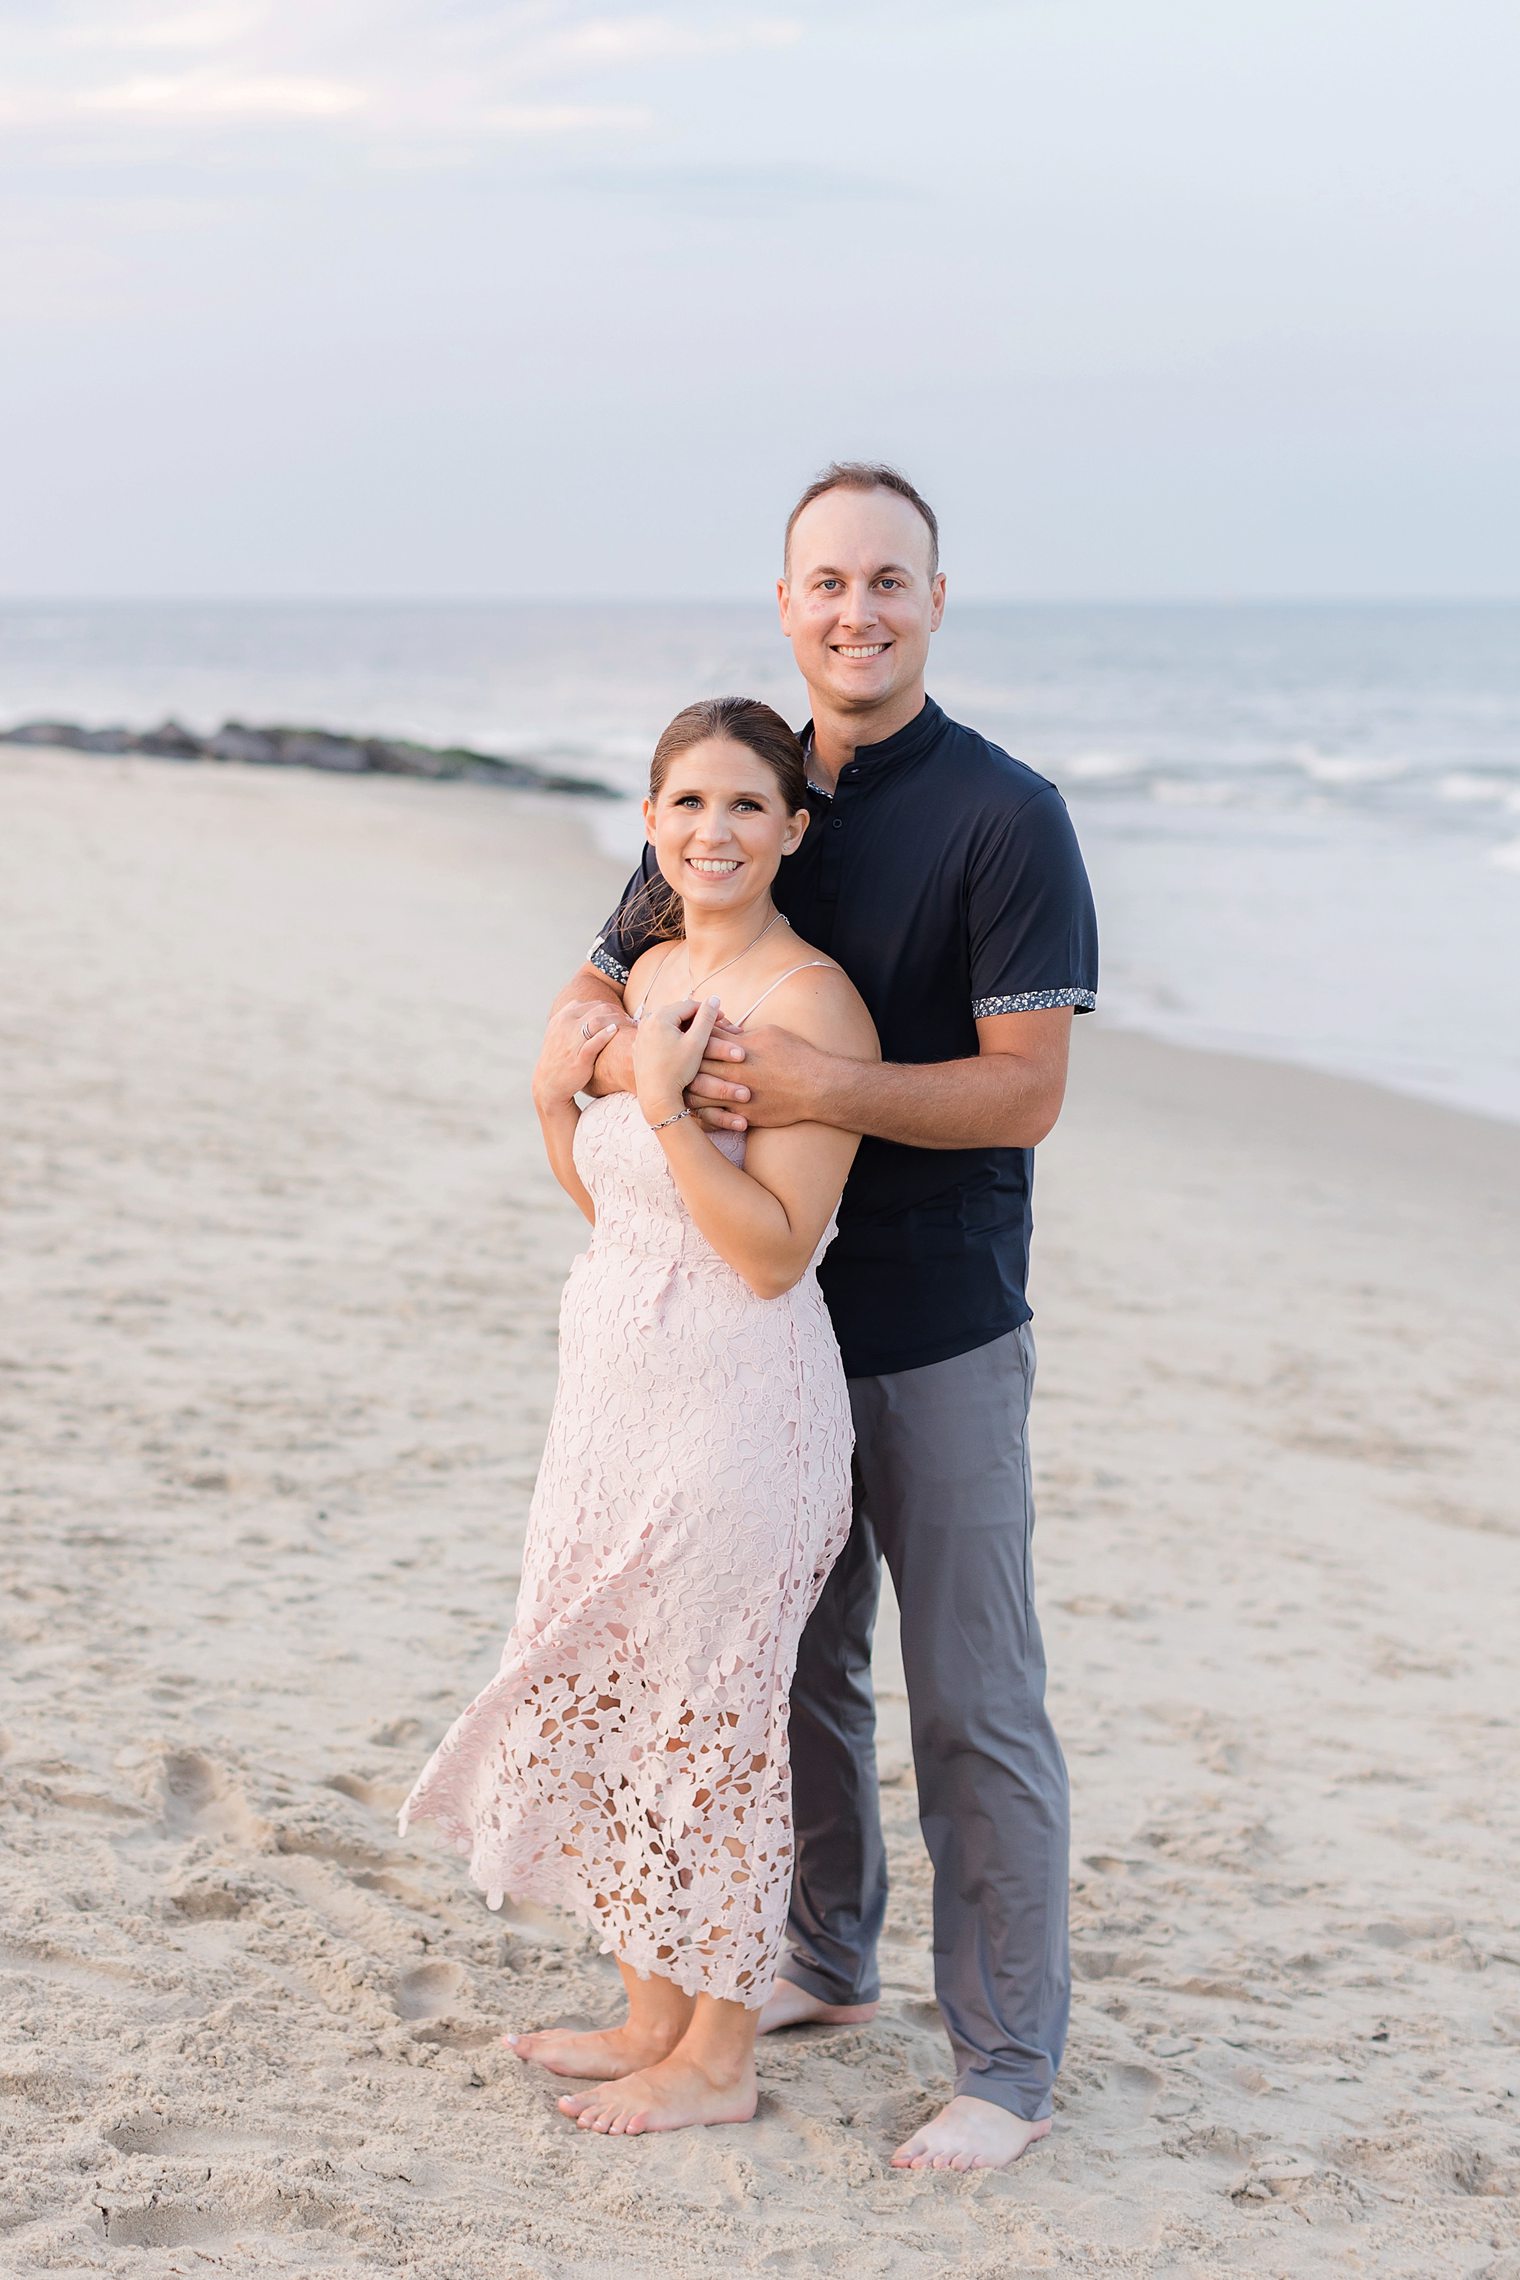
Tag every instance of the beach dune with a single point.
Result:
(281, 1268)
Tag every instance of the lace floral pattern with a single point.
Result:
(628, 1762)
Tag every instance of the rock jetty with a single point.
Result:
(307, 748)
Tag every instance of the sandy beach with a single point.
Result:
(281, 1266)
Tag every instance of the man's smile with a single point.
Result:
(866, 649)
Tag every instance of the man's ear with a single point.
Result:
(784, 606)
(936, 601)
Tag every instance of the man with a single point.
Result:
(945, 878)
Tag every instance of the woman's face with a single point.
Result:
(720, 826)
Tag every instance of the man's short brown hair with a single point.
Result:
(864, 475)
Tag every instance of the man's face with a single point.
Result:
(859, 601)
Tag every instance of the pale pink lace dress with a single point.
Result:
(629, 1760)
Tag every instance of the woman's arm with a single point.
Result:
(557, 1122)
(766, 1219)
(577, 1032)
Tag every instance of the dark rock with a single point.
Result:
(169, 741)
(315, 748)
(282, 747)
(389, 756)
(254, 747)
(64, 732)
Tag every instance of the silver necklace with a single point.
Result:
(692, 987)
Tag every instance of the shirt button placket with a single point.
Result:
(832, 866)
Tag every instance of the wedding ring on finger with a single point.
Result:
(586, 1031)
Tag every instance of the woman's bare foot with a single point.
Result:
(969, 2133)
(677, 2094)
(601, 2057)
(792, 2006)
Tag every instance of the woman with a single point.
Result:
(629, 1761)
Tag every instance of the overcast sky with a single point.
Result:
(436, 297)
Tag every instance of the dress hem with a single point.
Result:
(692, 1977)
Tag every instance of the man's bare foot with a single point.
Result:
(675, 2095)
(792, 2006)
(601, 2057)
(969, 2133)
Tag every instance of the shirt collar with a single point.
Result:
(909, 743)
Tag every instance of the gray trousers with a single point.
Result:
(942, 1492)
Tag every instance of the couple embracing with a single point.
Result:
(821, 1035)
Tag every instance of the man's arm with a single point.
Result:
(1009, 1096)
(1032, 957)
(614, 1068)
(613, 1072)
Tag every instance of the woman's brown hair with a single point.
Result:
(743, 720)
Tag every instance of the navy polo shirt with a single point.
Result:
(946, 879)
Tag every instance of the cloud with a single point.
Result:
(567, 118)
(656, 39)
(406, 74)
(738, 188)
(192, 28)
(222, 96)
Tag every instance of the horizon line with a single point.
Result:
(17, 600)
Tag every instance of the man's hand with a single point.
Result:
(614, 1065)
(591, 993)
(779, 1082)
(577, 1030)
(1008, 1096)
(716, 1095)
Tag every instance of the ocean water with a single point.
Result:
(1303, 822)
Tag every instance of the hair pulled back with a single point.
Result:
(742, 720)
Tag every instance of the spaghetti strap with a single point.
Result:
(780, 978)
(654, 977)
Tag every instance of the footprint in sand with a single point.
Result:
(244, 2218)
(185, 2141)
(380, 1796)
(318, 1840)
(196, 1797)
(396, 1732)
(430, 1989)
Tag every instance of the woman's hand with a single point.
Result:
(572, 1041)
(667, 1053)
